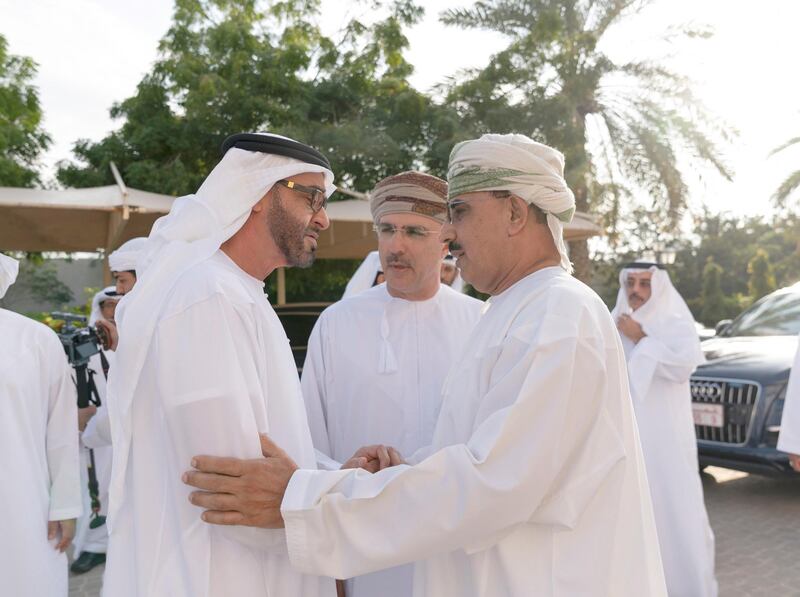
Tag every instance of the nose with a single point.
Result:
(321, 219)
(448, 233)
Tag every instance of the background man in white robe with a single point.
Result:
(368, 274)
(91, 544)
(534, 482)
(204, 364)
(41, 495)
(94, 424)
(663, 350)
(377, 361)
(789, 438)
(122, 263)
(450, 274)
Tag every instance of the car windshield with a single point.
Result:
(777, 314)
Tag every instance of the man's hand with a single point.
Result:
(631, 328)
(374, 458)
(109, 330)
(794, 461)
(242, 492)
(84, 415)
(61, 530)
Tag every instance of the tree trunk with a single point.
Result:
(578, 174)
(579, 255)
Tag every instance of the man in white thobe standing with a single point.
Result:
(204, 364)
(91, 538)
(122, 264)
(663, 350)
(91, 543)
(534, 482)
(376, 362)
(41, 495)
(789, 437)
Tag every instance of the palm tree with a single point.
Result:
(791, 183)
(621, 126)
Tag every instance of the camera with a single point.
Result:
(80, 341)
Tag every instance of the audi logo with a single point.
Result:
(706, 389)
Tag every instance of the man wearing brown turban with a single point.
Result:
(377, 361)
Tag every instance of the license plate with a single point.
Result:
(708, 415)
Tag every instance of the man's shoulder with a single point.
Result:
(460, 299)
(203, 281)
(575, 292)
(25, 329)
(566, 304)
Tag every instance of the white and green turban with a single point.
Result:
(515, 163)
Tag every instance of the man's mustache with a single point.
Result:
(396, 260)
(633, 295)
(453, 246)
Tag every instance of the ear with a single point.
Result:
(519, 215)
(261, 204)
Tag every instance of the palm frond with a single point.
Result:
(787, 187)
(786, 145)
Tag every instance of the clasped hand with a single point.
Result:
(250, 492)
(631, 328)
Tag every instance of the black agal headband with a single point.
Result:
(643, 265)
(276, 145)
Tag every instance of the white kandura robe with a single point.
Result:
(97, 437)
(39, 466)
(659, 368)
(534, 483)
(789, 438)
(666, 428)
(373, 374)
(219, 371)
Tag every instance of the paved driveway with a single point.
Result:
(756, 521)
(757, 525)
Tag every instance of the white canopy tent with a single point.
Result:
(102, 218)
(351, 237)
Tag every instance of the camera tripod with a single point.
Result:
(87, 394)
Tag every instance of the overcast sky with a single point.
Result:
(92, 53)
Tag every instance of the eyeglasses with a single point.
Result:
(457, 207)
(414, 233)
(316, 197)
(453, 209)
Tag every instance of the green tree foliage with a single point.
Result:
(762, 280)
(240, 65)
(791, 183)
(324, 282)
(554, 82)
(713, 308)
(22, 138)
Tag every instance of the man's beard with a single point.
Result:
(289, 235)
(633, 296)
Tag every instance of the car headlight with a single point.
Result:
(772, 424)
